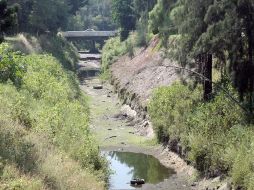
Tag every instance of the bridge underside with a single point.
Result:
(92, 36)
(89, 35)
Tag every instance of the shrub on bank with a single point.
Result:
(111, 51)
(61, 49)
(58, 46)
(214, 134)
(12, 178)
(169, 109)
(48, 104)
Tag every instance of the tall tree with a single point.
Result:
(124, 15)
(229, 37)
(191, 26)
(143, 6)
(96, 14)
(76, 5)
(49, 15)
(160, 21)
(8, 16)
(24, 10)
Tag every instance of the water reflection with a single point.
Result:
(127, 166)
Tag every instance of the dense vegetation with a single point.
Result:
(8, 17)
(96, 14)
(45, 16)
(214, 136)
(45, 140)
(210, 124)
(42, 107)
(44, 122)
(208, 31)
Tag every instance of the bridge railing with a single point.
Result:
(73, 34)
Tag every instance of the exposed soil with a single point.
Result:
(135, 79)
(119, 113)
(115, 128)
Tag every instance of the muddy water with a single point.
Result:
(127, 166)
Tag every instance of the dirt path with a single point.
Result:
(114, 130)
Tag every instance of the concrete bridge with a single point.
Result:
(89, 34)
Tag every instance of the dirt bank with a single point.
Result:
(113, 125)
(113, 128)
(134, 81)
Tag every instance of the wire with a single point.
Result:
(207, 79)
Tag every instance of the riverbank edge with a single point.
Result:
(168, 154)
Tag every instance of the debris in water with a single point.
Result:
(98, 87)
(110, 137)
(137, 181)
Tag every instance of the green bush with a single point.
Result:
(214, 134)
(10, 68)
(59, 109)
(239, 154)
(61, 49)
(169, 108)
(48, 103)
(111, 51)
(210, 124)
(141, 36)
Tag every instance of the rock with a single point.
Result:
(226, 186)
(125, 109)
(216, 180)
(98, 87)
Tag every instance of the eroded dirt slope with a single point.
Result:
(136, 78)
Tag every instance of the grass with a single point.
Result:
(44, 132)
(214, 135)
(54, 45)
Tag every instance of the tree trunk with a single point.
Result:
(250, 72)
(207, 60)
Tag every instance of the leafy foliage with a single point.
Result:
(169, 112)
(60, 48)
(96, 14)
(8, 16)
(123, 15)
(40, 16)
(10, 68)
(48, 103)
(214, 135)
(111, 51)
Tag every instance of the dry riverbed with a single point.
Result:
(115, 127)
(114, 132)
